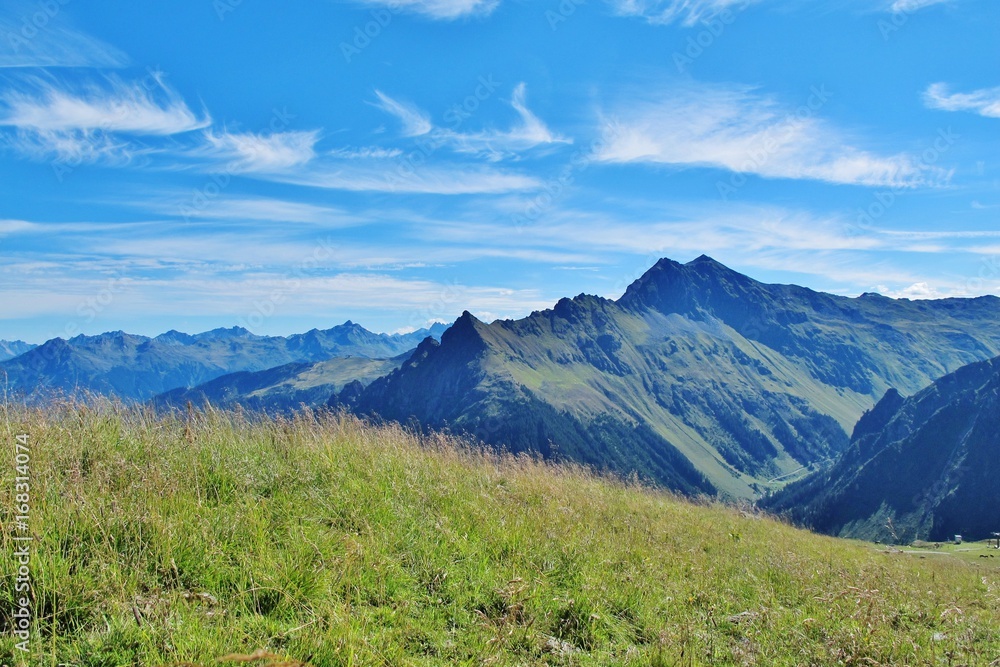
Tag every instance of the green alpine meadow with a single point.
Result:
(208, 537)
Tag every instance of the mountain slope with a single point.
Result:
(13, 348)
(745, 381)
(138, 367)
(284, 388)
(924, 467)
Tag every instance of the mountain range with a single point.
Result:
(12, 348)
(136, 367)
(925, 467)
(698, 378)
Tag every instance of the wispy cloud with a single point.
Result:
(245, 208)
(493, 144)
(985, 101)
(74, 147)
(665, 12)
(250, 152)
(794, 242)
(737, 129)
(291, 157)
(710, 228)
(28, 41)
(921, 290)
(496, 144)
(146, 107)
(908, 6)
(187, 293)
(97, 122)
(365, 153)
(394, 177)
(415, 122)
(440, 9)
(16, 226)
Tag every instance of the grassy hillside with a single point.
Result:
(323, 540)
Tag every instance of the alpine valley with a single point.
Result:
(924, 467)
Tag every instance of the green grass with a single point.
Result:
(331, 542)
(981, 553)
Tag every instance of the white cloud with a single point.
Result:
(16, 226)
(75, 147)
(146, 107)
(711, 228)
(737, 129)
(190, 289)
(247, 209)
(907, 6)
(921, 290)
(491, 143)
(685, 12)
(985, 101)
(250, 152)
(497, 144)
(440, 9)
(415, 122)
(939, 235)
(365, 153)
(396, 177)
(34, 34)
(282, 157)
(94, 123)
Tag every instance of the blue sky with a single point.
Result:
(283, 166)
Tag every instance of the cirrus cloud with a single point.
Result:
(446, 10)
(100, 121)
(738, 129)
(985, 101)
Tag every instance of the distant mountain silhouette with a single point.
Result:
(138, 367)
(12, 348)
